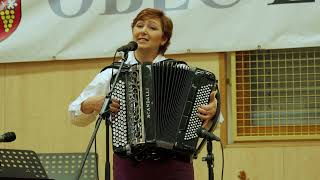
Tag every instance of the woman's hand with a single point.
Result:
(207, 112)
(95, 103)
(114, 106)
(91, 104)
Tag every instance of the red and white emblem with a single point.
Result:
(10, 16)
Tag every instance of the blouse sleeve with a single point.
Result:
(99, 86)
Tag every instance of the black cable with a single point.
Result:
(95, 155)
(222, 153)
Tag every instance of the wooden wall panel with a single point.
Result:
(205, 61)
(301, 163)
(258, 163)
(36, 99)
(223, 80)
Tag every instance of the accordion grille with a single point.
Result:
(202, 97)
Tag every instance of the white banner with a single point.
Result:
(38, 30)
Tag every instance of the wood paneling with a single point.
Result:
(301, 163)
(223, 95)
(34, 101)
(258, 163)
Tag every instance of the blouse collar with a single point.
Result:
(132, 59)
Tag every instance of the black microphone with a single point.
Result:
(203, 133)
(8, 137)
(131, 46)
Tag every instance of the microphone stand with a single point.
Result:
(104, 114)
(209, 137)
(210, 159)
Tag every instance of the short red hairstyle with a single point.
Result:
(166, 23)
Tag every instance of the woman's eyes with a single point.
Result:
(153, 28)
(150, 27)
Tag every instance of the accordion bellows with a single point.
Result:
(158, 108)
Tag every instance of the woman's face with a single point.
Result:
(148, 34)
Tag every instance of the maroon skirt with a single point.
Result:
(163, 169)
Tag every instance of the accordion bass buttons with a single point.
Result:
(119, 129)
(202, 97)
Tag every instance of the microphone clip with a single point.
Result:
(131, 46)
(203, 133)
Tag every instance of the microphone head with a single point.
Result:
(133, 45)
(9, 137)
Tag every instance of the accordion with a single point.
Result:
(158, 108)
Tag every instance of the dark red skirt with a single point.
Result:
(164, 169)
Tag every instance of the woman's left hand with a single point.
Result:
(207, 112)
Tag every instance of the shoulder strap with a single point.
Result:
(174, 61)
(115, 65)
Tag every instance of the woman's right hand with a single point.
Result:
(94, 103)
(91, 104)
(114, 106)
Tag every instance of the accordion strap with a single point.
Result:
(116, 65)
(174, 61)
